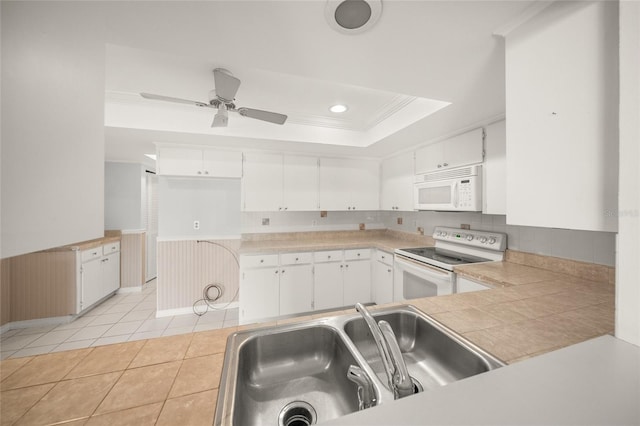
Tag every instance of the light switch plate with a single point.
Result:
(265, 221)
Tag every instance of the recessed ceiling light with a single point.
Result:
(338, 108)
(352, 16)
(152, 156)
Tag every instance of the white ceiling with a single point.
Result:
(290, 61)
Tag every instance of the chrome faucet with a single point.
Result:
(392, 360)
(366, 392)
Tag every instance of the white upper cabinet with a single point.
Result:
(276, 182)
(349, 184)
(397, 183)
(262, 182)
(454, 152)
(561, 106)
(494, 197)
(300, 183)
(176, 161)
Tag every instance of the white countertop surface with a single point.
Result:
(596, 382)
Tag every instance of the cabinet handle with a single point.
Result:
(342, 266)
(346, 266)
(329, 257)
(353, 207)
(277, 271)
(261, 260)
(439, 165)
(358, 254)
(206, 172)
(445, 164)
(199, 172)
(296, 259)
(388, 270)
(279, 208)
(348, 208)
(382, 257)
(283, 271)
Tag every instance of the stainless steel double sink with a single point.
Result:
(296, 375)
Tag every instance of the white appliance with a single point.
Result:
(458, 189)
(428, 271)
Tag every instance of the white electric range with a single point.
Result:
(428, 271)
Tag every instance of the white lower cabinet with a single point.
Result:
(98, 275)
(466, 285)
(296, 289)
(382, 280)
(272, 285)
(327, 285)
(259, 294)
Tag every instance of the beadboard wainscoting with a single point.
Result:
(132, 261)
(41, 285)
(186, 267)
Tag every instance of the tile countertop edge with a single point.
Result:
(560, 387)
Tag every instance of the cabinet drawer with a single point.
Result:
(111, 248)
(295, 258)
(327, 256)
(91, 254)
(256, 261)
(384, 257)
(357, 254)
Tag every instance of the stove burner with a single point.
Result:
(441, 255)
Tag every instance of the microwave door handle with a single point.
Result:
(455, 194)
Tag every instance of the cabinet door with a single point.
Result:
(327, 285)
(463, 149)
(335, 192)
(357, 282)
(364, 182)
(110, 273)
(428, 158)
(348, 184)
(397, 183)
(296, 289)
(562, 130)
(262, 182)
(259, 294)
(382, 283)
(218, 163)
(180, 161)
(300, 183)
(494, 182)
(91, 282)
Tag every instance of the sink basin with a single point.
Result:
(291, 377)
(296, 374)
(434, 355)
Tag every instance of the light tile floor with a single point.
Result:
(123, 317)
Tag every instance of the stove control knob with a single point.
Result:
(483, 240)
(443, 234)
(469, 237)
(492, 240)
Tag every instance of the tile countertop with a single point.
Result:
(174, 380)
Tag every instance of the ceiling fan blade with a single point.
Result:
(178, 100)
(226, 84)
(271, 117)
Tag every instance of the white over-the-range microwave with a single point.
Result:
(458, 189)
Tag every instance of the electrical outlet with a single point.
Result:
(361, 226)
(420, 230)
(196, 224)
(265, 221)
(323, 213)
(465, 226)
(399, 221)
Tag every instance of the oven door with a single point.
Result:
(414, 279)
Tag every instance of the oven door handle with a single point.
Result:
(423, 266)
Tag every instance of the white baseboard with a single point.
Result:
(126, 290)
(189, 310)
(39, 322)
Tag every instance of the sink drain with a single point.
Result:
(297, 413)
(417, 387)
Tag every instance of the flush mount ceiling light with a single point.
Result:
(352, 16)
(338, 108)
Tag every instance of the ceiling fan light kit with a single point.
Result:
(222, 98)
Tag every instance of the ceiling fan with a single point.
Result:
(222, 98)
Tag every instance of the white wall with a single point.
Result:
(628, 259)
(53, 71)
(124, 196)
(215, 203)
(310, 221)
